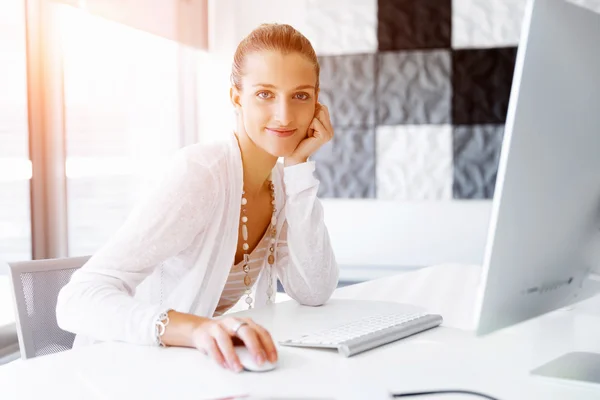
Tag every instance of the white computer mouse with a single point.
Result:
(249, 363)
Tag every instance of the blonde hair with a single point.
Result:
(271, 37)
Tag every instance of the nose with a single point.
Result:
(284, 113)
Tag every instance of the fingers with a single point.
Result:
(325, 118)
(267, 341)
(223, 340)
(212, 349)
(255, 338)
(248, 334)
(208, 345)
(321, 132)
(216, 340)
(318, 108)
(253, 343)
(325, 128)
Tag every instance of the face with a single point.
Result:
(277, 101)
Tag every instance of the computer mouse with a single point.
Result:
(249, 363)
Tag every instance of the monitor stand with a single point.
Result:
(576, 366)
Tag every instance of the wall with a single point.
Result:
(418, 92)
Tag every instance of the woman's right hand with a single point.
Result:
(217, 338)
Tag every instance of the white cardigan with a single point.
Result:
(177, 247)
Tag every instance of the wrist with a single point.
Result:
(196, 324)
(182, 329)
(288, 162)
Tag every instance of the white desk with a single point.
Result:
(446, 357)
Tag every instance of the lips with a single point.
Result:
(281, 132)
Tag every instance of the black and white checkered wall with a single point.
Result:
(418, 91)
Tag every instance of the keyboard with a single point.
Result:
(366, 333)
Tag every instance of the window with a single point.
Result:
(122, 117)
(15, 167)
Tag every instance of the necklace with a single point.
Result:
(271, 231)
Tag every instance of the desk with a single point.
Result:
(446, 357)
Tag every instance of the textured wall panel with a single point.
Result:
(342, 26)
(348, 88)
(409, 70)
(414, 24)
(476, 155)
(414, 162)
(486, 23)
(481, 83)
(414, 87)
(346, 165)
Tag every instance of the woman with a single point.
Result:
(225, 221)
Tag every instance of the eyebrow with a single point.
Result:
(268, 85)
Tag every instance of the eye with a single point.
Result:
(263, 95)
(302, 96)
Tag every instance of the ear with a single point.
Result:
(235, 97)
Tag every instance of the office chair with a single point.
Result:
(35, 287)
(9, 343)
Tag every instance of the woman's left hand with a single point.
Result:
(320, 132)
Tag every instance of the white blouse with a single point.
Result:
(177, 246)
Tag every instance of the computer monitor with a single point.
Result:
(544, 235)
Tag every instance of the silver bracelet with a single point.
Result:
(161, 325)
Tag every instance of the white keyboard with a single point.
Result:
(366, 333)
